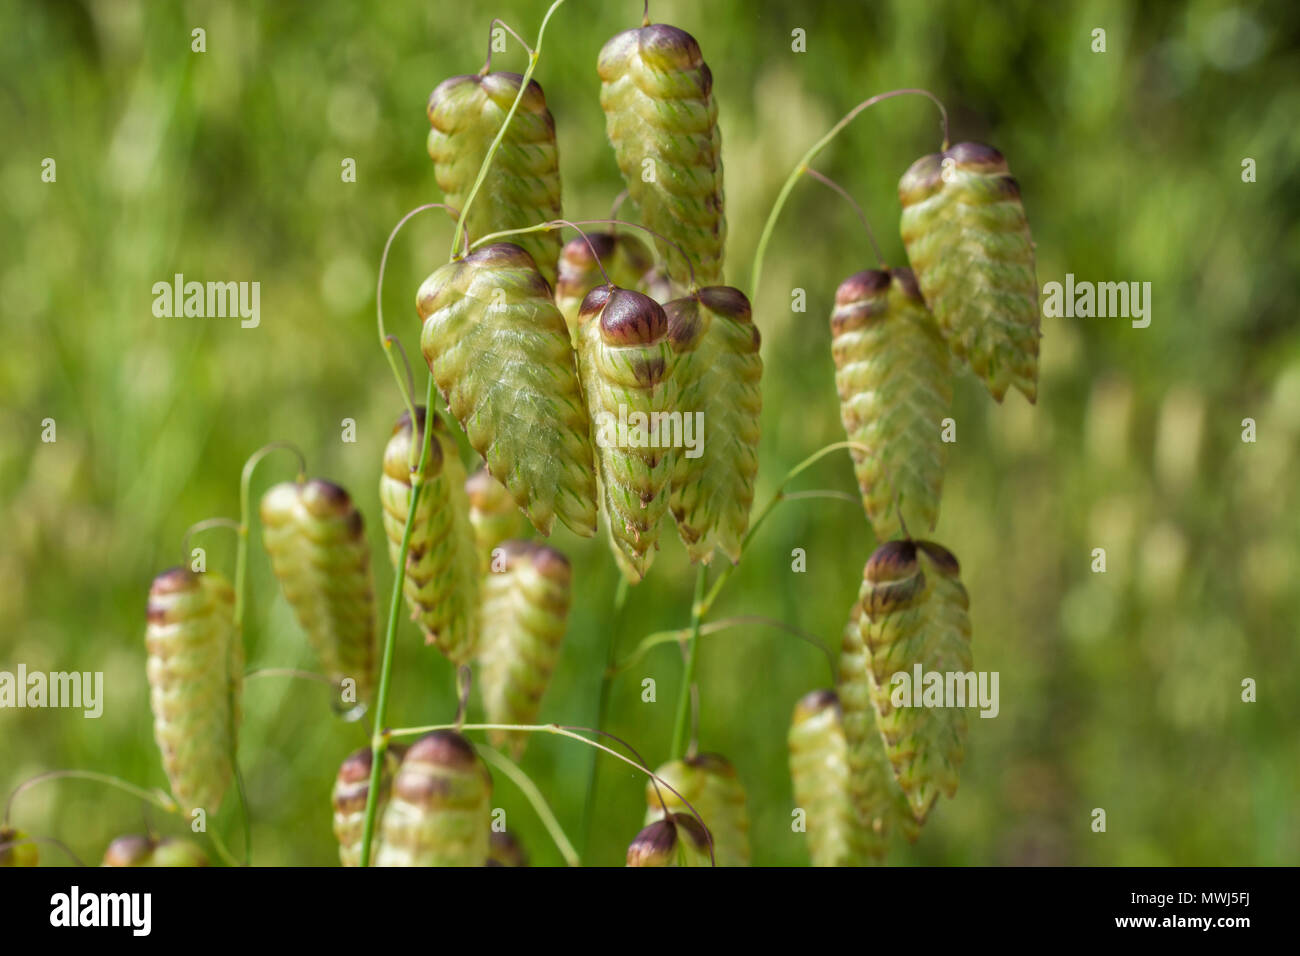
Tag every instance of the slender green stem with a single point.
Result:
(378, 736)
(529, 789)
(756, 273)
(688, 675)
(776, 499)
(862, 216)
(602, 708)
(156, 797)
(204, 525)
(533, 55)
(658, 638)
(241, 605)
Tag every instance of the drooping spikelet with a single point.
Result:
(626, 259)
(522, 187)
(892, 374)
(16, 849)
(351, 790)
(922, 620)
(151, 851)
(315, 537)
(500, 354)
(439, 812)
(878, 801)
(442, 564)
(710, 784)
(675, 840)
(819, 771)
(492, 513)
(719, 372)
(195, 670)
(660, 116)
(505, 850)
(526, 596)
(626, 360)
(968, 240)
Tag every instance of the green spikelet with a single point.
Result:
(891, 371)
(440, 810)
(878, 801)
(442, 584)
(147, 851)
(315, 537)
(660, 116)
(522, 187)
(492, 513)
(626, 360)
(819, 771)
(710, 784)
(505, 850)
(351, 790)
(626, 259)
(14, 851)
(925, 745)
(195, 670)
(526, 596)
(967, 238)
(718, 371)
(677, 840)
(500, 353)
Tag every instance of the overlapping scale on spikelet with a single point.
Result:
(892, 375)
(442, 562)
(500, 354)
(661, 118)
(719, 375)
(351, 790)
(710, 784)
(195, 670)
(627, 260)
(968, 241)
(522, 187)
(819, 772)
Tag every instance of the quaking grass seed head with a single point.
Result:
(148, 851)
(351, 792)
(16, 849)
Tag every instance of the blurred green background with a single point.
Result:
(1118, 690)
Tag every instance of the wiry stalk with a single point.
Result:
(801, 167)
(534, 795)
(688, 675)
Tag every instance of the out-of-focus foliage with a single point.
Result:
(1119, 690)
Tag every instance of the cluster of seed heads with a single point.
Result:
(531, 345)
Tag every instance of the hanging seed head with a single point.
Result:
(920, 620)
(661, 119)
(315, 538)
(676, 840)
(718, 372)
(878, 802)
(442, 559)
(492, 512)
(626, 259)
(505, 850)
(138, 851)
(439, 812)
(626, 360)
(500, 353)
(195, 670)
(15, 850)
(522, 187)
(709, 783)
(819, 771)
(892, 375)
(351, 791)
(526, 598)
(967, 238)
